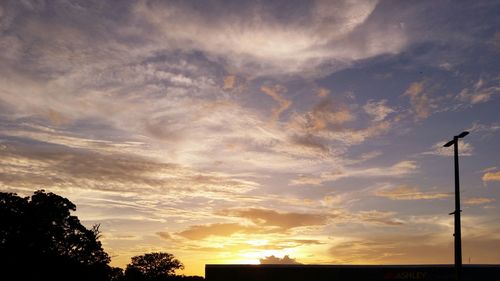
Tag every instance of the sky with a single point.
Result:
(258, 131)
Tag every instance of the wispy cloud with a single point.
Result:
(478, 93)
(198, 232)
(491, 176)
(231, 131)
(276, 93)
(478, 200)
(397, 170)
(271, 218)
(254, 38)
(465, 149)
(84, 169)
(405, 192)
(484, 128)
(378, 109)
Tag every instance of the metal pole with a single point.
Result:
(458, 232)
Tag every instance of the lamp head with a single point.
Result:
(463, 134)
(448, 144)
(455, 138)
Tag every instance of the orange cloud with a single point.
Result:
(164, 235)
(377, 217)
(324, 116)
(405, 192)
(199, 232)
(266, 217)
(276, 93)
(323, 92)
(478, 200)
(325, 113)
(229, 82)
(491, 176)
(420, 102)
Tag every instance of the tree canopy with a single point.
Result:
(39, 232)
(41, 240)
(154, 266)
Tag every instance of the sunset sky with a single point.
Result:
(231, 131)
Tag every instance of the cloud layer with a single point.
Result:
(239, 132)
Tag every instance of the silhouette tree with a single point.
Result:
(152, 266)
(116, 274)
(41, 235)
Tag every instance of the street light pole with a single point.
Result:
(458, 231)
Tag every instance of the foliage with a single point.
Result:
(153, 266)
(41, 240)
(40, 233)
(116, 274)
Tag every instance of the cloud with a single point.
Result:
(378, 110)
(276, 93)
(364, 157)
(391, 249)
(420, 101)
(199, 232)
(277, 260)
(50, 165)
(496, 40)
(489, 169)
(375, 217)
(397, 170)
(478, 200)
(478, 93)
(335, 128)
(326, 115)
(136, 87)
(271, 218)
(484, 128)
(464, 149)
(491, 176)
(258, 37)
(229, 82)
(310, 145)
(405, 192)
(353, 136)
(164, 235)
(323, 92)
(149, 114)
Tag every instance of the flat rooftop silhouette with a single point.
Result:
(298, 272)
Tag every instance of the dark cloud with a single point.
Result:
(310, 142)
(271, 218)
(41, 164)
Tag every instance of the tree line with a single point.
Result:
(41, 240)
